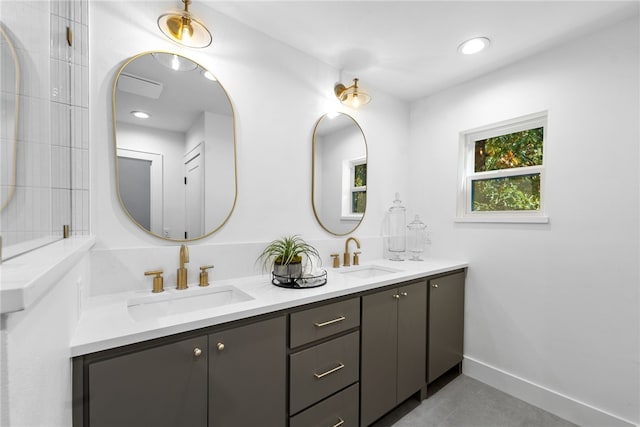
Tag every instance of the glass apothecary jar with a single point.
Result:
(397, 229)
(416, 238)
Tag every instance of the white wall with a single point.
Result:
(555, 304)
(35, 359)
(220, 185)
(278, 94)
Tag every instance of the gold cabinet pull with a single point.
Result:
(197, 352)
(339, 423)
(330, 322)
(330, 371)
(396, 296)
(220, 346)
(435, 285)
(404, 294)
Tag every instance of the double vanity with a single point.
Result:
(242, 352)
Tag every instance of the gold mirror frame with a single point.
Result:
(14, 154)
(315, 171)
(115, 152)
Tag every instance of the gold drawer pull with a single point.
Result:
(339, 423)
(330, 371)
(330, 322)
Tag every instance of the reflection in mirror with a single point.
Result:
(10, 102)
(339, 173)
(175, 146)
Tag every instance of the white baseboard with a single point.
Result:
(563, 406)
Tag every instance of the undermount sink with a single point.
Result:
(367, 271)
(183, 301)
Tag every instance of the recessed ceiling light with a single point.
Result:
(140, 114)
(474, 45)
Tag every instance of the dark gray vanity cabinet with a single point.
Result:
(247, 375)
(223, 377)
(446, 323)
(393, 348)
(160, 386)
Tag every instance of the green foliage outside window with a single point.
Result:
(358, 201)
(359, 197)
(514, 150)
(517, 193)
(360, 175)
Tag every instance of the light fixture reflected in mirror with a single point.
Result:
(351, 96)
(174, 62)
(474, 45)
(140, 114)
(183, 28)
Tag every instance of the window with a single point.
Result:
(354, 194)
(503, 172)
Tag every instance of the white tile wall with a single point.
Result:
(52, 186)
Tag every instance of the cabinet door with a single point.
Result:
(379, 331)
(412, 339)
(161, 386)
(446, 323)
(247, 375)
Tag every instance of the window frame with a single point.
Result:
(467, 175)
(348, 178)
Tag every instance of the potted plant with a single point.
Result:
(285, 256)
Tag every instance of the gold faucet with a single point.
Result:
(182, 271)
(347, 256)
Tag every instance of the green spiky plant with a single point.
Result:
(285, 251)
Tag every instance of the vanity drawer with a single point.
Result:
(322, 370)
(341, 409)
(320, 322)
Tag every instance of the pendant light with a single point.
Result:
(182, 27)
(351, 96)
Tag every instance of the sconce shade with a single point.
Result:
(351, 96)
(183, 28)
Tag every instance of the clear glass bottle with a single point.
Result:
(396, 242)
(417, 238)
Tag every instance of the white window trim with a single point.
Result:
(467, 175)
(348, 170)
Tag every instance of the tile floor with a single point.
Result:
(465, 402)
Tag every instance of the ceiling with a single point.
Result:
(179, 100)
(409, 48)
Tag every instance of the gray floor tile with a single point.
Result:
(465, 402)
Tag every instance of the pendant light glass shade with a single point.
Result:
(351, 96)
(183, 28)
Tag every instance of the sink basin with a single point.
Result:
(367, 271)
(173, 302)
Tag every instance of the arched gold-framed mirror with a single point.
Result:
(174, 146)
(339, 173)
(10, 123)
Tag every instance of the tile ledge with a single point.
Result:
(24, 279)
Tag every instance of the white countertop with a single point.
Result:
(106, 322)
(24, 279)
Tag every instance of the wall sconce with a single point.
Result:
(183, 28)
(351, 96)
